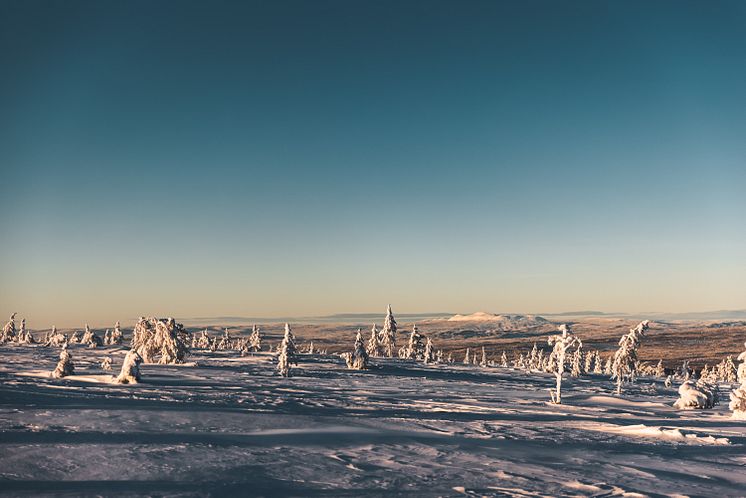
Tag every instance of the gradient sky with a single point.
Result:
(303, 158)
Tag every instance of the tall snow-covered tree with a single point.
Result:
(467, 357)
(588, 362)
(255, 339)
(738, 396)
(561, 343)
(374, 345)
(65, 366)
(159, 340)
(624, 364)
(415, 349)
(483, 361)
(130, 373)
(388, 334)
(9, 330)
(286, 353)
(577, 362)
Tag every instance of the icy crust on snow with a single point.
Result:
(226, 423)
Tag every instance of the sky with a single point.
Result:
(299, 158)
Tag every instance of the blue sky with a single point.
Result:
(304, 158)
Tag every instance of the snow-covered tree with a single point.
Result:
(90, 339)
(696, 395)
(24, 335)
(130, 373)
(429, 355)
(598, 363)
(65, 366)
(561, 343)
(450, 357)
(588, 362)
(9, 330)
(684, 371)
(669, 381)
(287, 352)
(577, 363)
(255, 339)
(533, 358)
(624, 364)
(75, 337)
(738, 396)
(504, 360)
(374, 345)
(483, 360)
(106, 363)
(358, 359)
(107, 337)
(117, 338)
(660, 371)
(467, 357)
(225, 341)
(388, 334)
(727, 371)
(415, 349)
(159, 340)
(55, 338)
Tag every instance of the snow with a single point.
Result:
(227, 424)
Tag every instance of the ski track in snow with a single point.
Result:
(225, 425)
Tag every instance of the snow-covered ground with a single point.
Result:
(223, 424)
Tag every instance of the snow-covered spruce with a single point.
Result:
(225, 341)
(287, 353)
(9, 330)
(55, 338)
(65, 366)
(117, 338)
(75, 337)
(727, 370)
(159, 340)
(738, 396)
(24, 335)
(373, 347)
(483, 360)
(90, 339)
(624, 363)
(562, 344)
(467, 357)
(358, 359)
(429, 356)
(696, 395)
(504, 360)
(130, 373)
(255, 339)
(577, 362)
(388, 334)
(106, 363)
(415, 349)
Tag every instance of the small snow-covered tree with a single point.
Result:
(9, 330)
(738, 396)
(358, 359)
(588, 362)
(24, 335)
(65, 366)
(107, 337)
(561, 343)
(130, 373)
(696, 395)
(684, 371)
(577, 363)
(483, 360)
(90, 339)
(450, 357)
(624, 364)
(727, 371)
(225, 341)
(56, 338)
(660, 371)
(467, 358)
(75, 337)
(106, 363)
(159, 340)
(117, 338)
(669, 381)
(415, 348)
(374, 345)
(533, 358)
(286, 353)
(388, 334)
(504, 360)
(429, 355)
(598, 364)
(255, 339)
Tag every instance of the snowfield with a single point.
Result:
(222, 424)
